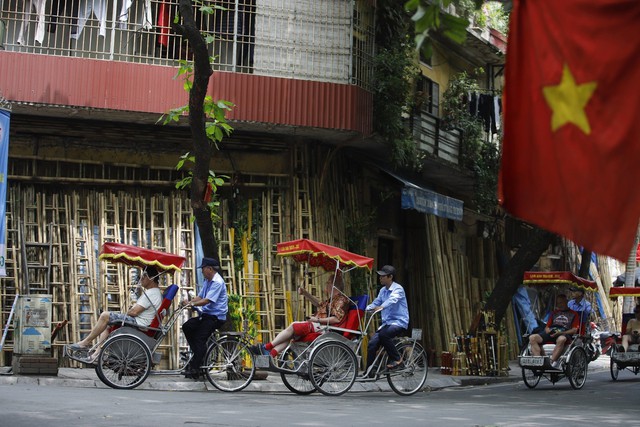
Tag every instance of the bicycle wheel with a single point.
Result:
(577, 368)
(124, 362)
(332, 368)
(298, 383)
(229, 364)
(530, 377)
(613, 366)
(410, 378)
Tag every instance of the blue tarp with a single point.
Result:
(523, 303)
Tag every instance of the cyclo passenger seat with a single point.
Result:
(351, 320)
(154, 327)
(355, 314)
(167, 299)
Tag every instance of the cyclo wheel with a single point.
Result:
(410, 378)
(297, 383)
(332, 368)
(613, 366)
(229, 364)
(530, 377)
(577, 368)
(124, 362)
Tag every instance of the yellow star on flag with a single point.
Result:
(567, 101)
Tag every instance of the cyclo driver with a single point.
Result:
(562, 324)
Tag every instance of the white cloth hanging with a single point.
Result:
(39, 6)
(86, 7)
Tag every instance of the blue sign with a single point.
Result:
(430, 202)
(5, 117)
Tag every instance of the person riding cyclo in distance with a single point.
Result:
(562, 324)
(581, 306)
(632, 333)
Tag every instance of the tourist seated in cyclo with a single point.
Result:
(562, 324)
(332, 311)
(632, 334)
(141, 313)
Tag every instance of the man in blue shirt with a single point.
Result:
(212, 303)
(395, 317)
(581, 306)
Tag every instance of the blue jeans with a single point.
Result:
(384, 336)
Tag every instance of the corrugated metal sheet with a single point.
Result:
(108, 85)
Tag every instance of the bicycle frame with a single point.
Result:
(303, 350)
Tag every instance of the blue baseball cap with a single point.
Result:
(210, 262)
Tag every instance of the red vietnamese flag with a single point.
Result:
(571, 150)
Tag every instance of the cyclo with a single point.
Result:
(126, 357)
(621, 360)
(330, 363)
(575, 358)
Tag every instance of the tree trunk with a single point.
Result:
(511, 277)
(585, 264)
(202, 147)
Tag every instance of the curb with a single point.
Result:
(87, 378)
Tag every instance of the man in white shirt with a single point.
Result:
(141, 312)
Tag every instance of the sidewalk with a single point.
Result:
(86, 377)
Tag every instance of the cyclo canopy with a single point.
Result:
(550, 278)
(141, 257)
(330, 258)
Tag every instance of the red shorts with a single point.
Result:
(300, 329)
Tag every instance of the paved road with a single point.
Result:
(600, 402)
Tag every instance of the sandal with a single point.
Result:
(394, 365)
(77, 347)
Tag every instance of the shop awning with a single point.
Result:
(430, 202)
(427, 201)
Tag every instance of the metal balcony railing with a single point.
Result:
(432, 139)
(321, 40)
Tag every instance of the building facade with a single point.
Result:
(88, 162)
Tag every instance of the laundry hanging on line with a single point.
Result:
(487, 109)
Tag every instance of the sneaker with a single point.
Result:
(259, 350)
(556, 364)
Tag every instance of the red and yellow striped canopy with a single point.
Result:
(141, 257)
(321, 255)
(548, 278)
(623, 291)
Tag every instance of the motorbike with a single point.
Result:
(593, 346)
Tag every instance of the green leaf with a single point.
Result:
(218, 134)
(184, 182)
(455, 27)
(219, 114)
(419, 16)
(227, 105)
(226, 127)
(411, 5)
